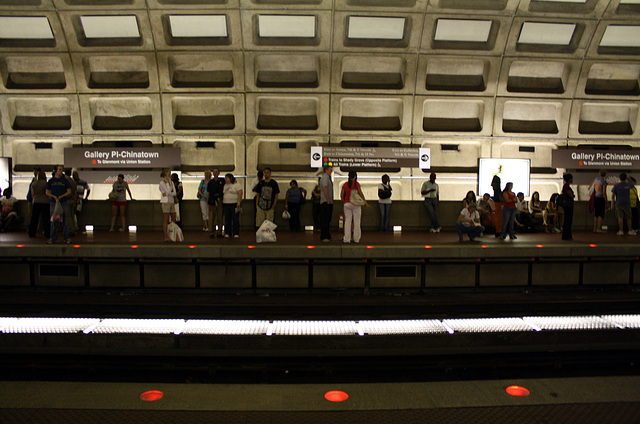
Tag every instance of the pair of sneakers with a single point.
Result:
(435, 230)
(631, 233)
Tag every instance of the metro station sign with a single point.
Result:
(121, 158)
(371, 157)
(596, 159)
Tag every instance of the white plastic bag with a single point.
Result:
(58, 212)
(266, 233)
(286, 215)
(174, 232)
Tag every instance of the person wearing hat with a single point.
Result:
(431, 192)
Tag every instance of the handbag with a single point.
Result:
(113, 195)
(563, 201)
(355, 199)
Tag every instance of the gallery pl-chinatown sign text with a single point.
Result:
(596, 159)
(127, 158)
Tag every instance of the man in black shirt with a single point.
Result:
(266, 198)
(215, 189)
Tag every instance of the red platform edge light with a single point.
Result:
(311, 247)
(76, 246)
(539, 245)
(192, 247)
(134, 246)
(370, 247)
(484, 246)
(19, 245)
(517, 391)
(593, 245)
(151, 395)
(251, 247)
(428, 246)
(336, 396)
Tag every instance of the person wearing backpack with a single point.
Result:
(384, 203)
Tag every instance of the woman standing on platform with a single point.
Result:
(384, 203)
(599, 188)
(40, 205)
(202, 196)
(179, 193)
(567, 191)
(353, 200)
(315, 212)
(231, 202)
(293, 200)
(508, 212)
(167, 201)
(121, 188)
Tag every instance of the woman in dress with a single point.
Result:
(40, 210)
(120, 203)
(537, 211)
(351, 211)
(231, 202)
(599, 189)
(168, 191)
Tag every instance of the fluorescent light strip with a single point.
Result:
(462, 30)
(315, 328)
(621, 36)
(570, 323)
(226, 327)
(48, 325)
(138, 326)
(487, 325)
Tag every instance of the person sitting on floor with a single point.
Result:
(524, 221)
(9, 215)
(554, 213)
(469, 223)
(487, 210)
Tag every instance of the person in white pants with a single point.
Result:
(353, 200)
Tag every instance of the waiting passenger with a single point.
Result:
(567, 207)
(384, 203)
(326, 203)
(469, 223)
(431, 192)
(121, 188)
(9, 214)
(58, 189)
(599, 189)
(353, 200)
(215, 190)
(508, 212)
(621, 200)
(555, 214)
(202, 197)
(259, 178)
(167, 201)
(315, 203)
(293, 199)
(634, 205)
(524, 221)
(82, 196)
(74, 200)
(179, 194)
(538, 211)
(267, 198)
(469, 198)
(487, 209)
(40, 209)
(232, 204)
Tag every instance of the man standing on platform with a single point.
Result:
(74, 199)
(326, 203)
(215, 190)
(621, 200)
(59, 189)
(266, 199)
(431, 193)
(83, 191)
